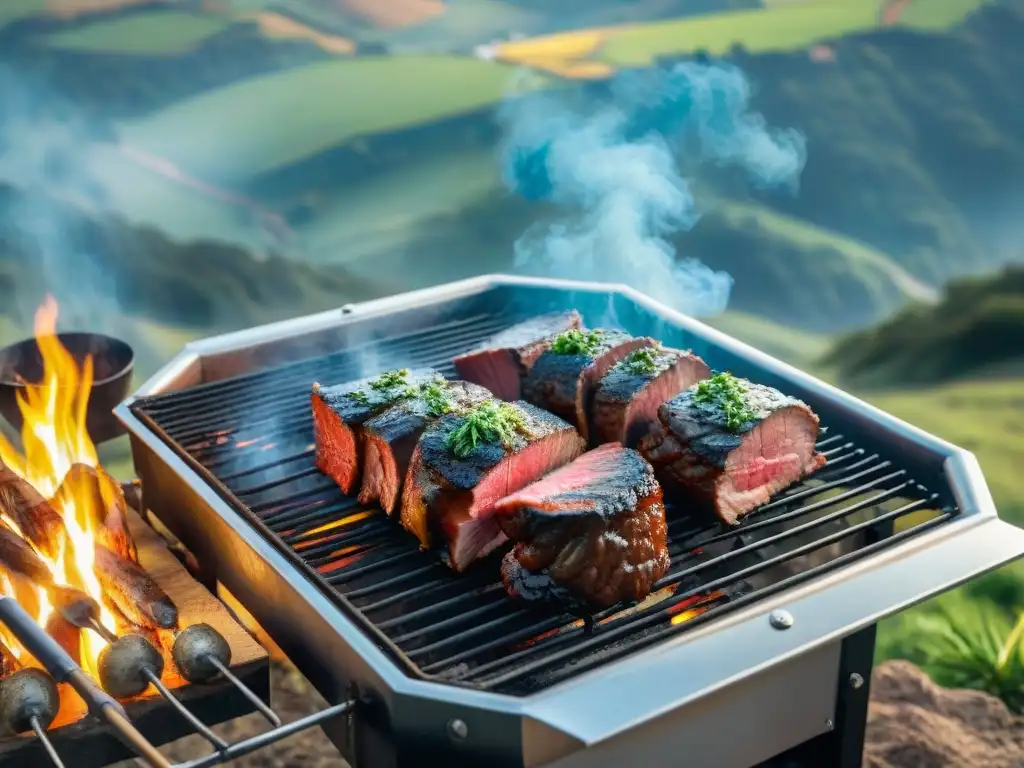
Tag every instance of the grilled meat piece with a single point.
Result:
(627, 399)
(340, 411)
(563, 383)
(733, 468)
(17, 556)
(133, 591)
(448, 499)
(390, 438)
(593, 531)
(501, 362)
(104, 504)
(39, 522)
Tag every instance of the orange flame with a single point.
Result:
(55, 437)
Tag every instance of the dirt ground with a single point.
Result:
(913, 724)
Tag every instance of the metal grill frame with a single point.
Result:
(674, 679)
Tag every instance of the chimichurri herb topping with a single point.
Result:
(387, 388)
(489, 422)
(437, 397)
(390, 380)
(642, 361)
(725, 392)
(577, 342)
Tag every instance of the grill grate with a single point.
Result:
(251, 438)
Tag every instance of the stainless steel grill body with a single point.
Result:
(658, 703)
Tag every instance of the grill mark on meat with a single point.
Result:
(500, 363)
(338, 421)
(592, 532)
(695, 453)
(390, 438)
(449, 500)
(563, 384)
(625, 405)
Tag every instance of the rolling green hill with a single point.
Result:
(978, 325)
(158, 33)
(241, 124)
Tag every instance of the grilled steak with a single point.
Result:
(593, 531)
(466, 462)
(500, 363)
(564, 376)
(390, 437)
(732, 444)
(339, 412)
(627, 399)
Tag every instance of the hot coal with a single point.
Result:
(448, 500)
(501, 362)
(626, 402)
(593, 530)
(390, 438)
(340, 411)
(734, 471)
(564, 383)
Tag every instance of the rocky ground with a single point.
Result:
(913, 724)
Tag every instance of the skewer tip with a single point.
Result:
(28, 693)
(195, 649)
(122, 666)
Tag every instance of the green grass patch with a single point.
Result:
(267, 122)
(778, 28)
(159, 33)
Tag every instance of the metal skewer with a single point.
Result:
(64, 670)
(29, 701)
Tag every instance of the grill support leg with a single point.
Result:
(843, 746)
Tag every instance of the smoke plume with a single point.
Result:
(612, 169)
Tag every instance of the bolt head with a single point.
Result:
(830, 725)
(781, 619)
(457, 729)
(856, 681)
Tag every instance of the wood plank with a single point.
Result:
(82, 742)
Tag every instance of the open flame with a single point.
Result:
(54, 438)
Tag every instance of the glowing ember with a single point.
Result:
(354, 518)
(694, 607)
(55, 437)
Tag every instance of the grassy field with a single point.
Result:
(12, 10)
(233, 133)
(779, 26)
(159, 33)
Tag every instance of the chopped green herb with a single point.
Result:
(489, 422)
(724, 391)
(437, 397)
(577, 342)
(390, 380)
(643, 360)
(359, 396)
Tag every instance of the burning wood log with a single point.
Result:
(106, 506)
(132, 590)
(40, 523)
(9, 663)
(17, 556)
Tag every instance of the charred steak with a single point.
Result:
(627, 398)
(563, 378)
(500, 363)
(732, 444)
(593, 531)
(390, 437)
(339, 412)
(466, 462)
